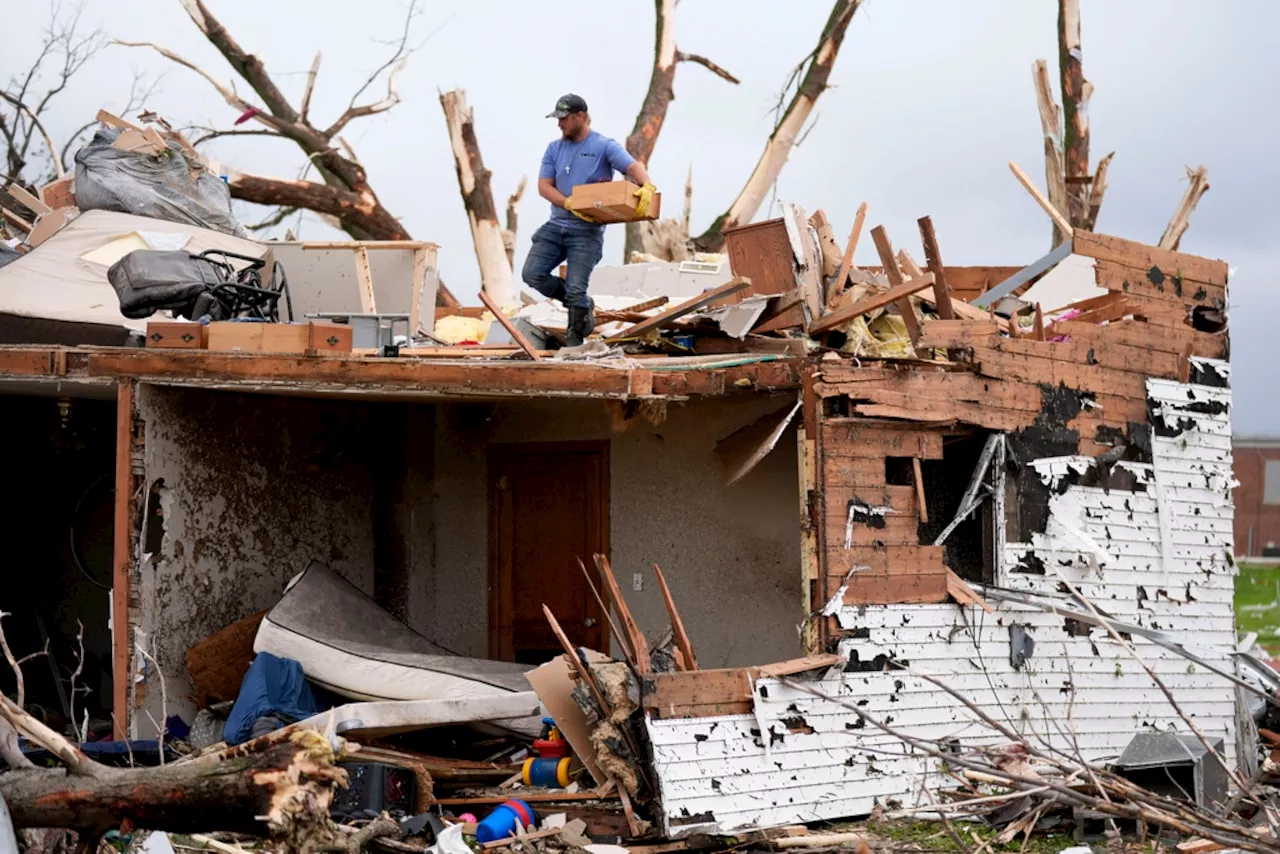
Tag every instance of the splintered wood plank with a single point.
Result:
(669, 693)
(1137, 333)
(575, 662)
(933, 258)
(856, 472)
(889, 588)
(960, 591)
(946, 414)
(677, 625)
(364, 281)
(1130, 253)
(798, 665)
(1157, 284)
(922, 508)
(957, 334)
(739, 283)
(639, 646)
(846, 263)
(1107, 354)
(515, 333)
(854, 438)
(908, 558)
(420, 264)
(1053, 372)
(1054, 214)
(885, 248)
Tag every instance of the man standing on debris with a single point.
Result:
(580, 156)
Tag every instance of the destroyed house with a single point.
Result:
(1014, 520)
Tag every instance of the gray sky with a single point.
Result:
(932, 98)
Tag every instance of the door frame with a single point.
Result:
(501, 604)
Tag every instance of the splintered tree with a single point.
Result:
(810, 77)
(1073, 190)
(477, 199)
(653, 112)
(344, 194)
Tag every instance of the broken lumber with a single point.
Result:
(635, 637)
(512, 329)
(656, 322)
(894, 274)
(1054, 214)
(871, 303)
(960, 591)
(677, 625)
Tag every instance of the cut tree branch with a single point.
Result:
(1199, 178)
(817, 72)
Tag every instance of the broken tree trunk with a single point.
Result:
(1051, 124)
(513, 217)
(1075, 112)
(661, 92)
(1181, 220)
(477, 197)
(788, 129)
(279, 785)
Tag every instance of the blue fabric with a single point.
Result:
(273, 686)
(554, 243)
(572, 163)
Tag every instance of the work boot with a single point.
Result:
(579, 327)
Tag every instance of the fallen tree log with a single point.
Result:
(279, 786)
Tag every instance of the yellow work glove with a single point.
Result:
(578, 214)
(645, 196)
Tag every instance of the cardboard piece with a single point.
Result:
(612, 201)
(553, 684)
(50, 224)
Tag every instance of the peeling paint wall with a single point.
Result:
(1157, 554)
(254, 487)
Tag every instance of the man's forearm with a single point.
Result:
(637, 173)
(547, 189)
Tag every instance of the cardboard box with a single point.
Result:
(612, 201)
(177, 335)
(328, 338)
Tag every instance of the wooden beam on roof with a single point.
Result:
(644, 327)
(512, 330)
(871, 303)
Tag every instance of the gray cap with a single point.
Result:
(566, 105)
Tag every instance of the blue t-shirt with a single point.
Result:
(587, 162)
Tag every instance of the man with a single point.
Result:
(580, 156)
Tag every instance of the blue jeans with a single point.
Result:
(554, 244)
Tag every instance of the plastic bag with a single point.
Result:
(161, 186)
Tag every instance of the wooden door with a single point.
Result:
(548, 508)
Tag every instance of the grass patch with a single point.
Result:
(933, 836)
(1257, 601)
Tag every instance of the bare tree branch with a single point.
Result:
(509, 233)
(35, 121)
(352, 209)
(816, 72)
(402, 52)
(212, 134)
(272, 221)
(393, 98)
(681, 56)
(311, 85)
(1198, 186)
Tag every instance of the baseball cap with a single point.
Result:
(566, 105)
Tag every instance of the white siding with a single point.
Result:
(1158, 557)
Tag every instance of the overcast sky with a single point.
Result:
(931, 99)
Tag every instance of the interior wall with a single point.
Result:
(247, 489)
(250, 488)
(729, 553)
(58, 470)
